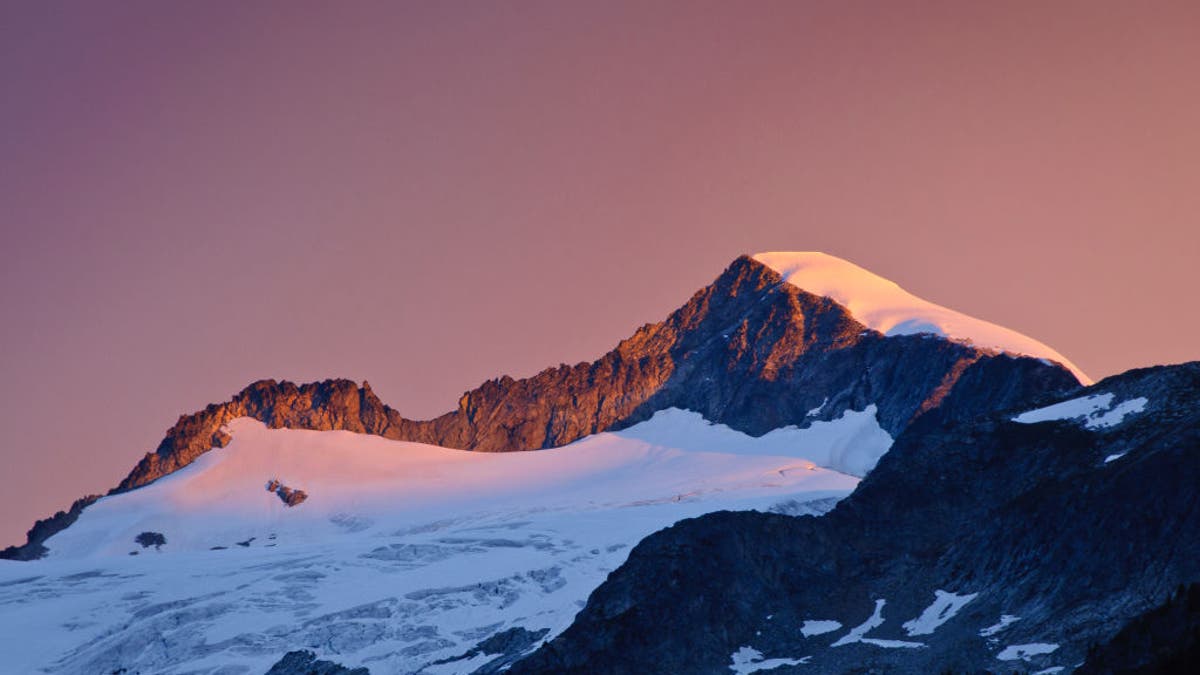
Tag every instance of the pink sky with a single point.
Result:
(197, 195)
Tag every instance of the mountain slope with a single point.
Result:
(1001, 543)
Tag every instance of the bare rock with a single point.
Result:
(287, 495)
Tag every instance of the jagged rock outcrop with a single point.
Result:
(1069, 528)
(500, 650)
(304, 662)
(288, 495)
(749, 351)
(323, 406)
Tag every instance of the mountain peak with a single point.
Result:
(881, 304)
(748, 351)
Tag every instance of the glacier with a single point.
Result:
(403, 557)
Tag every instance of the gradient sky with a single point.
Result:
(197, 195)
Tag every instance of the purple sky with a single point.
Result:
(197, 195)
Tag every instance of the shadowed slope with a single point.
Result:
(1068, 527)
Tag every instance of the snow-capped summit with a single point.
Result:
(884, 306)
(316, 516)
(746, 351)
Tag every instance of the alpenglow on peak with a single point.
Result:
(882, 305)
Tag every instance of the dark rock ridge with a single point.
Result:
(749, 351)
(1074, 529)
(502, 648)
(304, 662)
(43, 529)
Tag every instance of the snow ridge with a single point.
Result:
(884, 306)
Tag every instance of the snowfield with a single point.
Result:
(1095, 411)
(944, 607)
(403, 554)
(884, 306)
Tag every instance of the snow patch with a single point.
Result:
(892, 644)
(884, 306)
(1117, 415)
(1113, 458)
(813, 627)
(1026, 652)
(945, 606)
(750, 660)
(1050, 671)
(1005, 621)
(1081, 407)
(851, 444)
(1095, 411)
(858, 633)
(817, 410)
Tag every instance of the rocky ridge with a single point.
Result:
(749, 351)
(34, 548)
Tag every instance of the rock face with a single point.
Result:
(750, 351)
(1068, 528)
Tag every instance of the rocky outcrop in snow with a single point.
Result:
(304, 662)
(287, 495)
